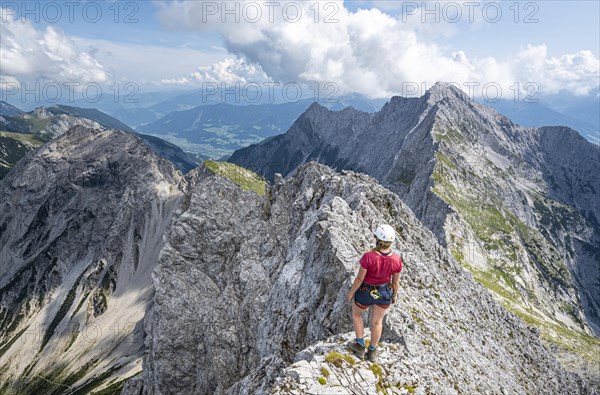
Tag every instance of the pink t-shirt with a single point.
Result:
(380, 268)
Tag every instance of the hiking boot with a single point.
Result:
(373, 354)
(358, 349)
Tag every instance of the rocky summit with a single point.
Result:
(517, 207)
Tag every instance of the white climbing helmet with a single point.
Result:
(385, 233)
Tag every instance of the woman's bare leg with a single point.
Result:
(376, 323)
(358, 321)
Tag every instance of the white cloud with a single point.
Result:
(146, 64)
(175, 81)
(576, 72)
(230, 71)
(369, 51)
(27, 53)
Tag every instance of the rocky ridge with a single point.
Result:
(244, 284)
(518, 207)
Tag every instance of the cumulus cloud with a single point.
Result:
(366, 51)
(230, 71)
(576, 73)
(49, 54)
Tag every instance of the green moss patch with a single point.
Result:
(377, 370)
(336, 359)
(246, 179)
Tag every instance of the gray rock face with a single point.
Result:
(518, 207)
(406, 367)
(81, 226)
(245, 283)
(570, 168)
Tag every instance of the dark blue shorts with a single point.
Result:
(363, 298)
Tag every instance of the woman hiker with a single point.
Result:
(372, 288)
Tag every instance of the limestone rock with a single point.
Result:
(245, 298)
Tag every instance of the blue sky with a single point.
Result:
(373, 48)
(565, 26)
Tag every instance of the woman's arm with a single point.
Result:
(395, 285)
(362, 272)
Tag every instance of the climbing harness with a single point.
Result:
(375, 294)
(373, 290)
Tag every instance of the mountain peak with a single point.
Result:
(41, 113)
(438, 92)
(316, 107)
(443, 90)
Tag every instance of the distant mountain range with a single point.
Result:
(149, 110)
(143, 108)
(23, 132)
(145, 112)
(215, 130)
